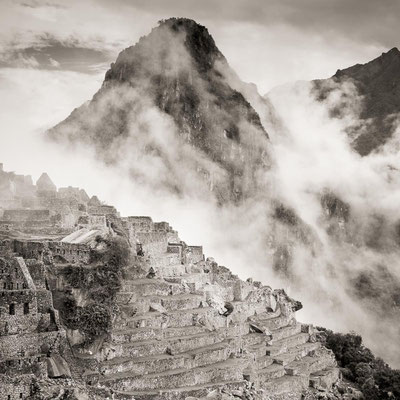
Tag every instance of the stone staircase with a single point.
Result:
(170, 342)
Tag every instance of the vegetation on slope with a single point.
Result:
(376, 379)
(101, 280)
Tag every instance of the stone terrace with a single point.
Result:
(187, 326)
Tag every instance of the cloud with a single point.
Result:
(313, 43)
(359, 20)
(48, 96)
(352, 281)
(48, 52)
(54, 63)
(40, 3)
(55, 55)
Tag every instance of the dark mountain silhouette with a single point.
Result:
(378, 82)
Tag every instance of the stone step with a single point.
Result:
(271, 324)
(138, 334)
(264, 361)
(184, 301)
(181, 301)
(223, 371)
(164, 260)
(324, 379)
(140, 365)
(258, 350)
(178, 318)
(159, 363)
(297, 352)
(283, 345)
(151, 287)
(271, 372)
(169, 270)
(280, 387)
(253, 339)
(194, 268)
(265, 315)
(311, 364)
(197, 279)
(135, 334)
(285, 332)
(182, 393)
(174, 345)
(209, 354)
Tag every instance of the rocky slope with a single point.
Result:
(378, 84)
(212, 130)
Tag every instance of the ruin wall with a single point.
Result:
(30, 344)
(71, 252)
(23, 215)
(13, 389)
(19, 312)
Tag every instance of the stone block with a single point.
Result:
(324, 379)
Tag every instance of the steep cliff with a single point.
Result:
(378, 84)
(178, 71)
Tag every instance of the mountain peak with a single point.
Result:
(176, 44)
(394, 51)
(363, 71)
(187, 25)
(198, 40)
(378, 84)
(178, 69)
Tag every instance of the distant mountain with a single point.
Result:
(178, 69)
(378, 82)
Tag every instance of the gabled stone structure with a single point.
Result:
(45, 185)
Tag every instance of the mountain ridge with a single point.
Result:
(378, 84)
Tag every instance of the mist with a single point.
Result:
(152, 170)
(25, 149)
(313, 153)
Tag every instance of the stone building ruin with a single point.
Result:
(31, 336)
(181, 327)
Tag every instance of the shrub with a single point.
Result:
(101, 280)
(95, 320)
(70, 313)
(376, 379)
(115, 252)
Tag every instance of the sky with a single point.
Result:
(268, 42)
